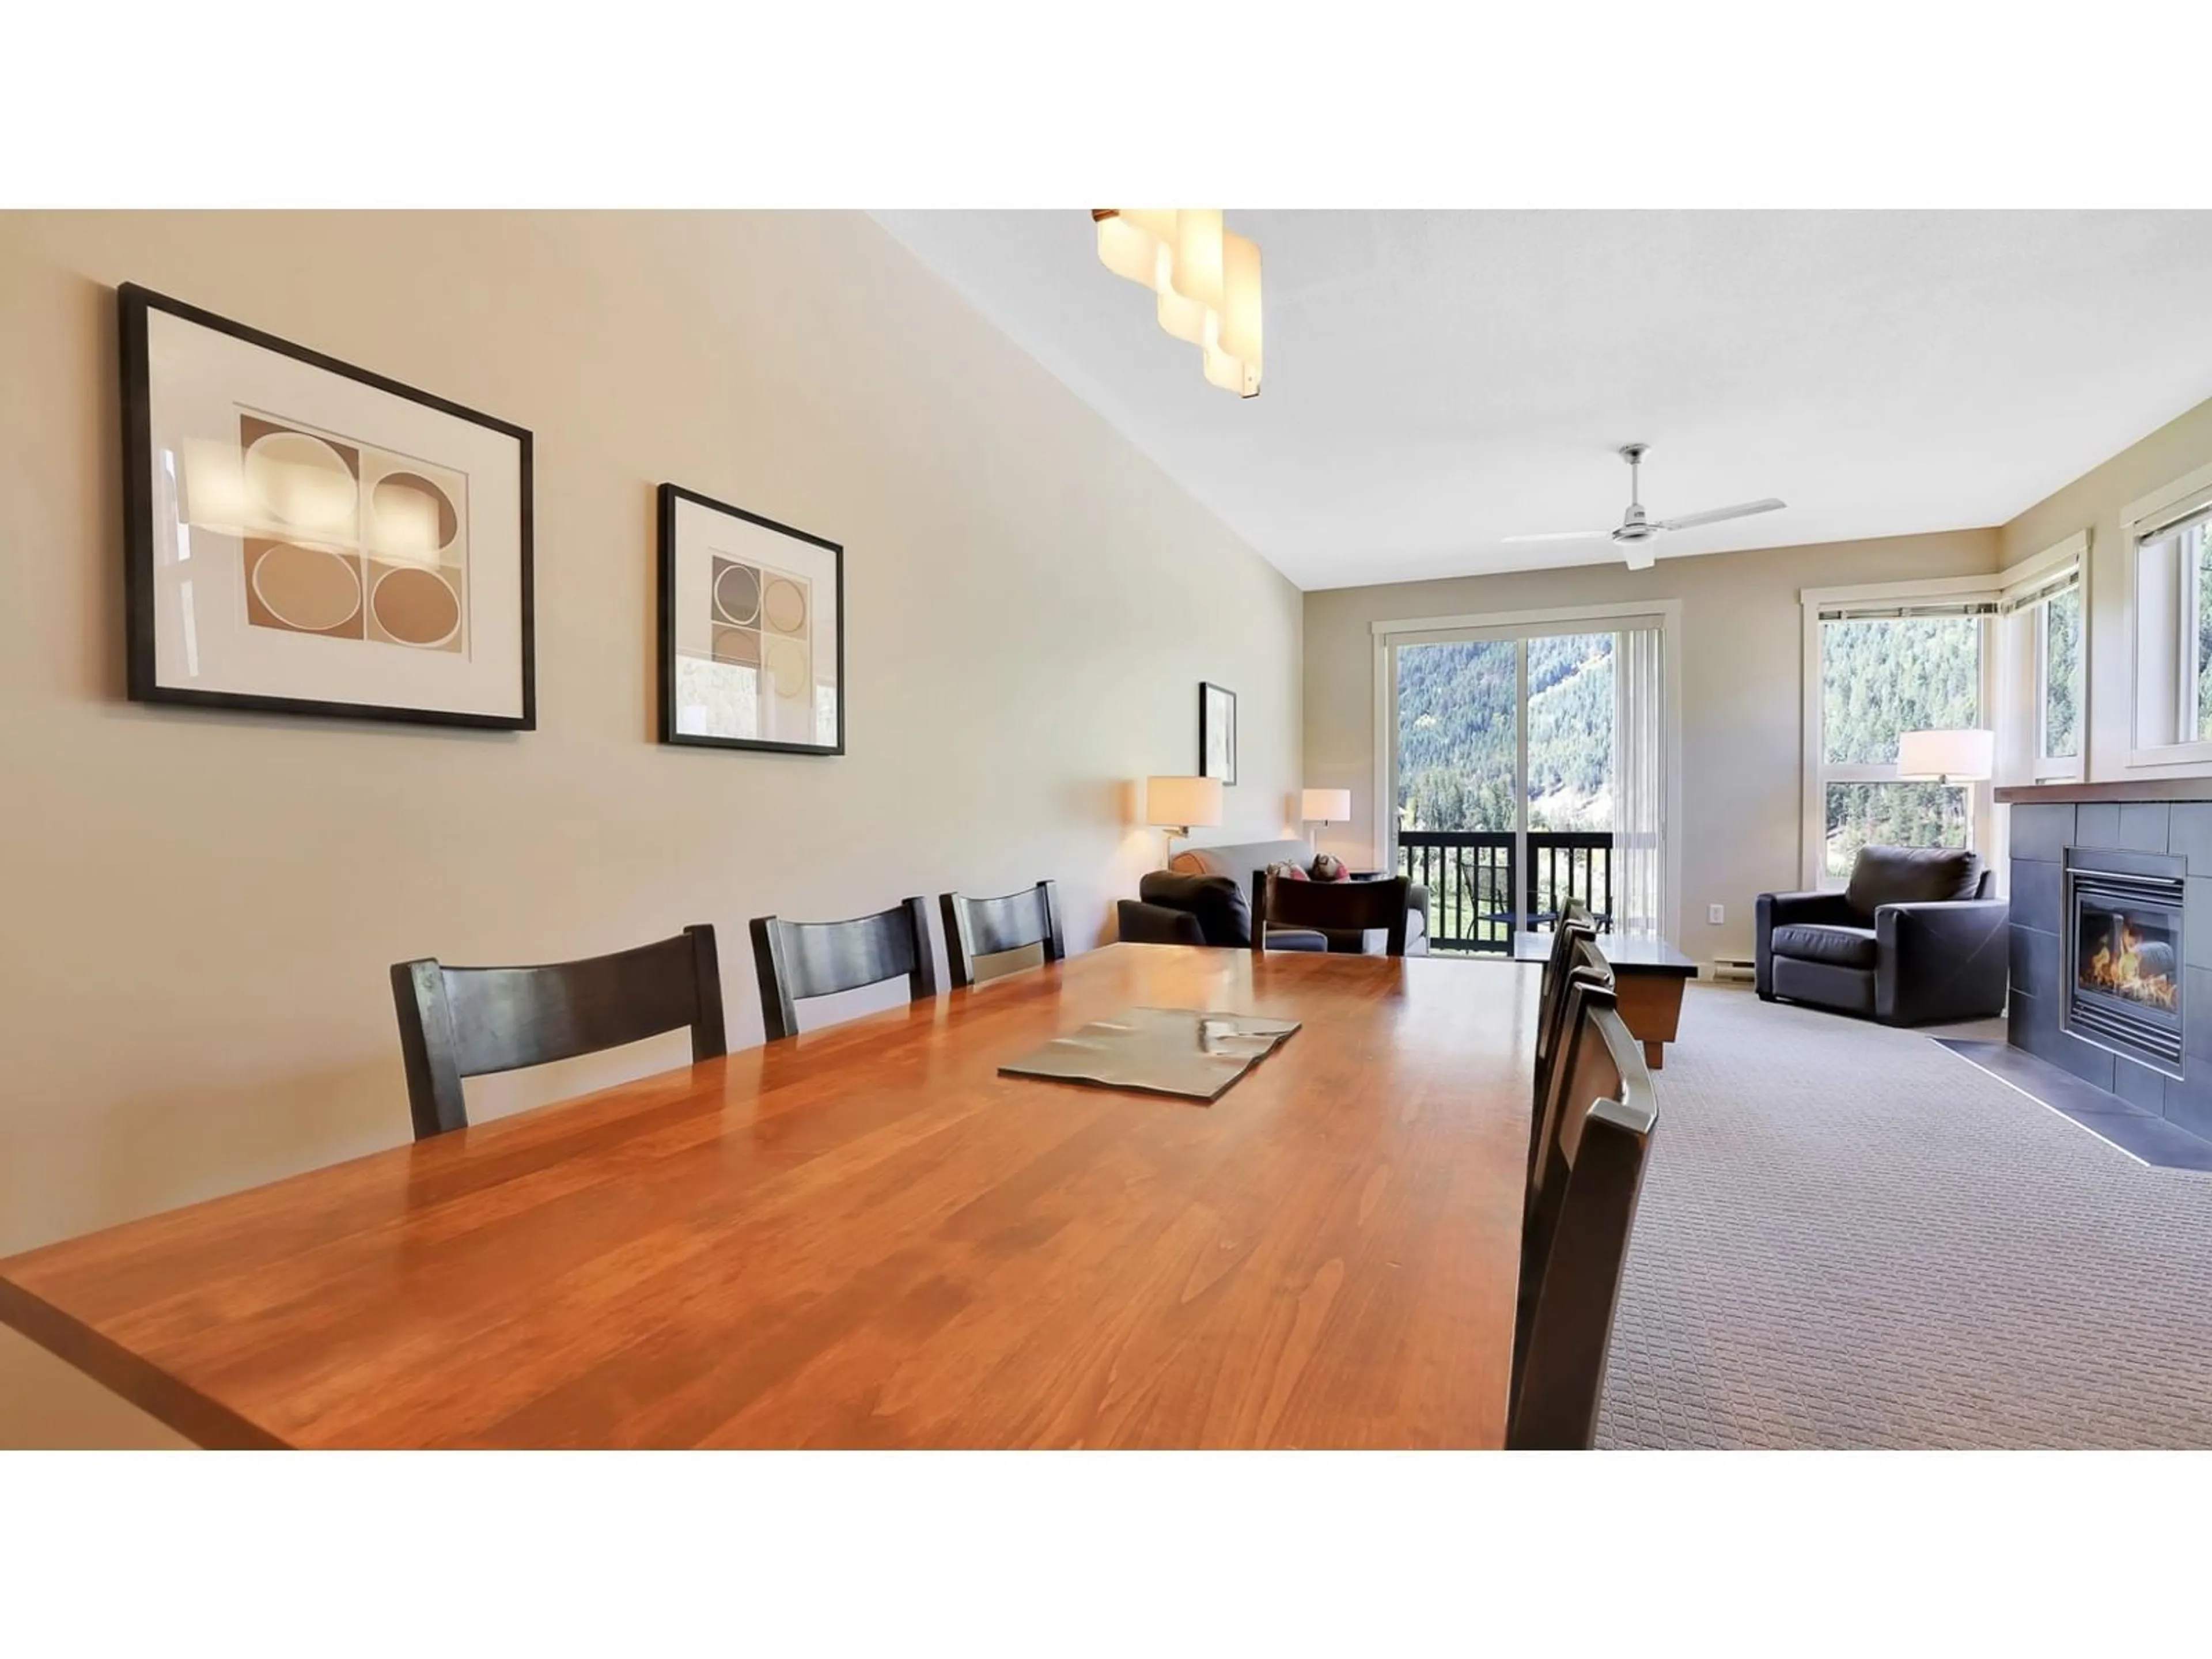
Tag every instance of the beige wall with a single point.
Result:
(2093, 503)
(201, 907)
(1742, 693)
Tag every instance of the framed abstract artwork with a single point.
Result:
(303, 537)
(1217, 733)
(752, 630)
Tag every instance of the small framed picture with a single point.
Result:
(752, 630)
(1217, 733)
(303, 537)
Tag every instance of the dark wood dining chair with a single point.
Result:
(985, 926)
(1585, 965)
(1564, 1329)
(1353, 906)
(457, 1022)
(797, 961)
(1575, 924)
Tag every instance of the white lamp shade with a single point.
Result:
(1325, 805)
(1182, 803)
(1962, 756)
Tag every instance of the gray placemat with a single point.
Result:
(1186, 1052)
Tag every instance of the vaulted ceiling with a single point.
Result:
(1437, 382)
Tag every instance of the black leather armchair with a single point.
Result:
(1918, 937)
(1174, 909)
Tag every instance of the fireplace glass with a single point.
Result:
(2128, 953)
(2127, 984)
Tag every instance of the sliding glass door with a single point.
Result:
(1525, 771)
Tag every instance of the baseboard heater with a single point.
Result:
(1733, 968)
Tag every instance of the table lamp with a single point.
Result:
(1325, 806)
(1179, 805)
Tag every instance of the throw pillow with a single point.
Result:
(1287, 871)
(1326, 867)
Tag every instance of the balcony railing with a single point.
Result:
(1470, 877)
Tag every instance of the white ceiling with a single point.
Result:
(1438, 381)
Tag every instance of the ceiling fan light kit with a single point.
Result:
(1634, 534)
(1205, 279)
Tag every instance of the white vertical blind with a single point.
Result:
(1640, 780)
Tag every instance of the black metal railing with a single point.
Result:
(1470, 877)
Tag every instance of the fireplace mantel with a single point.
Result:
(2145, 789)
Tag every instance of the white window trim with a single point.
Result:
(1813, 815)
(2024, 675)
(1417, 630)
(2184, 495)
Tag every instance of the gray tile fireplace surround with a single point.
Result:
(2042, 832)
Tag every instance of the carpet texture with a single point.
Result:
(1851, 1237)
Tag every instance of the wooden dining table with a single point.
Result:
(865, 1237)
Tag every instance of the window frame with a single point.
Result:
(1940, 593)
(2024, 620)
(2143, 522)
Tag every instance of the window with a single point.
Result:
(2042, 722)
(1884, 669)
(2058, 677)
(2171, 536)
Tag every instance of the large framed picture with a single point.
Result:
(752, 630)
(1217, 733)
(303, 537)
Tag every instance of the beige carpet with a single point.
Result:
(1851, 1236)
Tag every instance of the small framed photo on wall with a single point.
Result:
(308, 537)
(1217, 733)
(752, 630)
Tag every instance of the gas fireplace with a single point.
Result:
(2126, 947)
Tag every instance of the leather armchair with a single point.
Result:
(1178, 910)
(1918, 936)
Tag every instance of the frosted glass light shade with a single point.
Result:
(1185, 318)
(1198, 256)
(1132, 242)
(1960, 756)
(1325, 805)
(1182, 803)
(1204, 281)
(1240, 300)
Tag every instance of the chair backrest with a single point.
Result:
(1576, 923)
(985, 927)
(457, 1022)
(1580, 957)
(1353, 906)
(798, 960)
(1596, 1176)
(1915, 875)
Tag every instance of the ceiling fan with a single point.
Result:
(1636, 530)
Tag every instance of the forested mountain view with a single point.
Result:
(1879, 677)
(1457, 737)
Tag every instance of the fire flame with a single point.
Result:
(2121, 972)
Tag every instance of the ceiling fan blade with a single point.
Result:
(1740, 510)
(1564, 535)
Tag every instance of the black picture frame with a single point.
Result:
(1207, 718)
(141, 683)
(669, 495)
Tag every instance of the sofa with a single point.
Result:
(1919, 936)
(1205, 896)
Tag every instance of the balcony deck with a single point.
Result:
(1472, 882)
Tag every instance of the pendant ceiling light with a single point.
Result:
(1205, 280)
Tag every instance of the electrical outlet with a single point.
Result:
(1716, 913)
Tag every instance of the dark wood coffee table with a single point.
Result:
(1647, 976)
